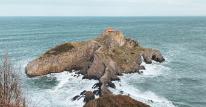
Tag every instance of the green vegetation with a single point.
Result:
(60, 49)
(123, 55)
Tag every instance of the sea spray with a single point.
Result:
(126, 87)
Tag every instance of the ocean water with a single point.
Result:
(178, 82)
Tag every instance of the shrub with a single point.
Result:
(10, 87)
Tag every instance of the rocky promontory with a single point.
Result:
(104, 59)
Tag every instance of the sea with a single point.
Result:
(180, 81)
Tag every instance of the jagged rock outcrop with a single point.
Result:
(115, 101)
(104, 59)
(152, 54)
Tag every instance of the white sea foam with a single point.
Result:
(60, 95)
(70, 86)
(147, 97)
(154, 69)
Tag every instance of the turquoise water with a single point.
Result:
(180, 81)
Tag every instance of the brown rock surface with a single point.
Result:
(104, 59)
(115, 101)
(68, 56)
(89, 96)
(111, 51)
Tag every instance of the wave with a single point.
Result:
(154, 69)
(127, 87)
(147, 97)
(70, 85)
(43, 92)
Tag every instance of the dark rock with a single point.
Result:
(80, 97)
(83, 92)
(86, 76)
(96, 85)
(75, 97)
(96, 92)
(152, 54)
(151, 101)
(112, 85)
(121, 92)
(141, 67)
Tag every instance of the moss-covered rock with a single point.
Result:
(60, 49)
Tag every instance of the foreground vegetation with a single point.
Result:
(10, 87)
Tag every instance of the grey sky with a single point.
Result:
(102, 7)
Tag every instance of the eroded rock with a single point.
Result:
(152, 54)
(79, 57)
(104, 59)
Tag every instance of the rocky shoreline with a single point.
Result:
(103, 59)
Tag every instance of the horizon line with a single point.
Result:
(106, 16)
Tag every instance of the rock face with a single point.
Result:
(68, 56)
(115, 101)
(104, 59)
(89, 96)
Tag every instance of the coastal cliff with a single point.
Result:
(103, 59)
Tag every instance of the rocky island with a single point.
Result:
(104, 59)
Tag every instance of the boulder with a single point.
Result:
(96, 69)
(75, 97)
(104, 80)
(83, 92)
(152, 54)
(112, 85)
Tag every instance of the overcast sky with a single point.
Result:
(102, 7)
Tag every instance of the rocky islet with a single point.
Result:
(103, 59)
